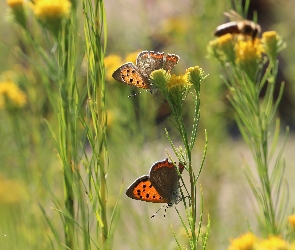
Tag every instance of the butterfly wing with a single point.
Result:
(128, 73)
(142, 189)
(170, 61)
(164, 178)
(148, 61)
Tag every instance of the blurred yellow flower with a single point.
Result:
(176, 25)
(17, 11)
(291, 219)
(272, 44)
(10, 92)
(270, 39)
(132, 57)
(248, 50)
(11, 191)
(244, 242)
(110, 117)
(111, 62)
(14, 3)
(159, 79)
(222, 48)
(249, 56)
(226, 44)
(214, 51)
(51, 9)
(273, 243)
(214, 44)
(195, 69)
(194, 76)
(180, 81)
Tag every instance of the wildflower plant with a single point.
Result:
(52, 14)
(291, 229)
(246, 241)
(79, 109)
(18, 11)
(11, 97)
(249, 241)
(176, 88)
(251, 65)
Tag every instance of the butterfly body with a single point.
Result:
(146, 62)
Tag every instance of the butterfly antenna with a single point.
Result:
(164, 206)
(135, 94)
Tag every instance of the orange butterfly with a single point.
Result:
(160, 186)
(146, 63)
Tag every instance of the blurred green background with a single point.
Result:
(31, 174)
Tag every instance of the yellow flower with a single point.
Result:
(18, 12)
(132, 57)
(222, 48)
(52, 9)
(270, 39)
(10, 93)
(272, 44)
(244, 242)
(111, 117)
(214, 51)
(291, 219)
(249, 50)
(249, 55)
(273, 243)
(180, 81)
(11, 191)
(226, 45)
(51, 13)
(175, 91)
(194, 76)
(176, 25)
(14, 3)
(159, 79)
(195, 69)
(111, 62)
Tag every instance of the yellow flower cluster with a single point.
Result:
(179, 81)
(11, 191)
(111, 62)
(244, 242)
(270, 39)
(273, 243)
(9, 92)
(131, 57)
(272, 44)
(226, 45)
(238, 50)
(291, 219)
(175, 25)
(51, 9)
(249, 241)
(248, 51)
(18, 11)
(14, 3)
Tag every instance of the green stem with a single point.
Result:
(180, 123)
(68, 134)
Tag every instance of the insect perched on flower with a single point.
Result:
(243, 27)
(146, 62)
